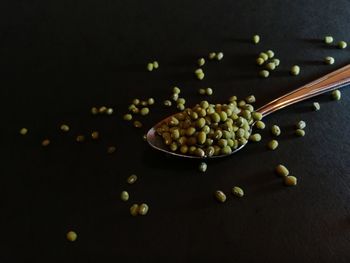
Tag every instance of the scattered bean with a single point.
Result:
(342, 44)
(260, 125)
(143, 209)
(45, 142)
(316, 106)
(328, 39)
(264, 73)
(237, 191)
(329, 60)
(290, 180)
(272, 145)
(299, 132)
(124, 196)
(202, 167)
(71, 236)
(23, 131)
(220, 196)
(134, 209)
(295, 70)
(256, 39)
(336, 94)
(131, 179)
(281, 170)
(275, 130)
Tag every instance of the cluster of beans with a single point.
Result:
(152, 65)
(102, 110)
(135, 209)
(209, 129)
(180, 102)
(267, 60)
(199, 73)
(329, 40)
(138, 107)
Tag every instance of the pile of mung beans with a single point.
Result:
(209, 129)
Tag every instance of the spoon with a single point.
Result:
(331, 81)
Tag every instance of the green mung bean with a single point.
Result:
(219, 56)
(336, 95)
(264, 73)
(212, 55)
(256, 39)
(328, 39)
(134, 209)
(124, 196)
(155, 64)
(281, 170)
(201, 62)
(144, 111)
(270, 53)
(290, 180)
(131, 179)
(23, 131)
(342, 44)
(300, 125)
(220, 196)
(316, 106)
(127, 117)
(329, 60)
(137, 124)
(260, 125)
(237, 191)
(270, 66)
(259, 61)
(255, 137)
(202, 167)
(295, 70)
(275, 130)
(150, 66)
(299, 132)
(272, 145)
(143, 209)
(71, 236)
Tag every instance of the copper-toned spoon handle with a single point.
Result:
(331, 81)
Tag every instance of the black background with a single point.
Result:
(60, 58)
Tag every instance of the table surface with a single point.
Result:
(60, 58)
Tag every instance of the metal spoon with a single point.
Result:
(331, 81)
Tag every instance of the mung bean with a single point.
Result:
(237, 191)
(220, 196)
(281, 170)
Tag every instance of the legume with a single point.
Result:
(220, 196)
(219, 56)
(299, 132)
(301, 125)
(45, 142)
(202, 167)
(342, 44)
(212, 55)
(260, 61)
(290, 180)
(134, 209)
(144, 111)
(155, 64)
(201, 62)
(336, 95)
(316, 106)
(264, 73)
(131, 179)
(270, 66)
(124, 196)
(127, 117)
(209, 91)
(256, 39)
(150, 66)
(71, 236)
(272, 145)
(275, 130)
(329, 60)
(264, 56)
(328, 39)
(260, 125)
(237, 191)
(143, 209)
(94, 135)
(23, 131)
(137, 124)
(270, 53)
(276, 61)
(281, 170)
(255, 137)
(64, 128)
(295, 70)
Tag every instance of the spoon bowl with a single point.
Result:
(334, 80)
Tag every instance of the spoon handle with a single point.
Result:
(331, 81)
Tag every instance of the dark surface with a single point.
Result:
(60, 58)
